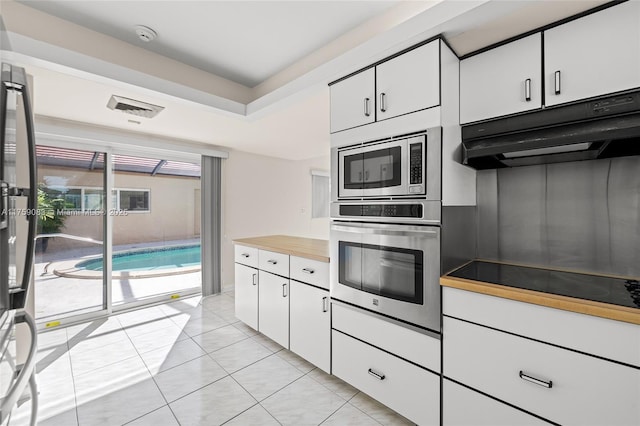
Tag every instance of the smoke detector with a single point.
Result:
(145, 34)
(131, 106)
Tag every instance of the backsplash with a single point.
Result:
(582, 215)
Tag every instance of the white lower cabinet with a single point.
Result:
(246, 295)
(557, 384)
(273, 303)
(310, 324)
(406, 388)
(465, 407)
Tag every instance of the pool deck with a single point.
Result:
(61, 296)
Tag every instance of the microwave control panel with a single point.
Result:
(415, 163)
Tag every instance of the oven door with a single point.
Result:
(374, 171)
(390, 269)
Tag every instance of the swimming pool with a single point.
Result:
(148, 259)
(138, 263)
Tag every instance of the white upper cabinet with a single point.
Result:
(593, 55)
(401, 85)
(353, 101)
(502, 81)
(409, 82)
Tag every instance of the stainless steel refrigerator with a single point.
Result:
(18, 208)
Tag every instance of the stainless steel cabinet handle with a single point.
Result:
(527, 90)
(273, 262)
(284, 290)
(557, 82)
(383, 103)
(245, 255)
(358, 230)
(254, 279)
(367, 113)
(376, 375)
(325, 305)
(308, 270)
(538, 382)
(366, 175)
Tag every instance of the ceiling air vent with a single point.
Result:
(131, 106)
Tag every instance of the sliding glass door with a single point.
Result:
(114, 231)
(156, 238)
(69, 267)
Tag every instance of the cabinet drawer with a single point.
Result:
(246, 255)
(463, 407)
(404, 342)
(616, 340)
(560, 385)
(276, 263)
(411, 391)
(310, 271)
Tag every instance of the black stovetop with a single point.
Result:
(616, 291)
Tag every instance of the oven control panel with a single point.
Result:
(382, 210)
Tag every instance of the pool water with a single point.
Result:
(148, 259)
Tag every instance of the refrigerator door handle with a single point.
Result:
(26, 376)
(18, 297)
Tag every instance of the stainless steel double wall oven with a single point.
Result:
(386, 226)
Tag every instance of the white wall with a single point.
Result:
(266, 196)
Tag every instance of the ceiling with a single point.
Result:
(290, 50)
(243, 41)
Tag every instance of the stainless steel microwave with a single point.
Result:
(404, 166)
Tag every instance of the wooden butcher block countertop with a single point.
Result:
(309, 248)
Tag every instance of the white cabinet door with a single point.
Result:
(409, 82)
(246, 295)
(593, 55)
(502, 81)
(352, 101)
(463, 407)
(560, 385)
(273, 307)
(310, 324)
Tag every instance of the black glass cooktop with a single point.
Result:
(615, 291)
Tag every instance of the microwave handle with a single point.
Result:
(359, 230)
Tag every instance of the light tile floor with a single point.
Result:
(189, 362)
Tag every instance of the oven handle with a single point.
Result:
(358, 230)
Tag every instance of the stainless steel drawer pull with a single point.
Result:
(557, 82)
(308, 270)
(254, 279)
(325, 305)
(367, 113)
(538, 382)
(273, 262)
(245, 254)
(376, 375)
(527, 90)
(383, 103)
(284, 290)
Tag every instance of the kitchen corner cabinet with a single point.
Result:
(286, 298)
(593, 55)
(400, 85)
(504, 80)
(273, 307)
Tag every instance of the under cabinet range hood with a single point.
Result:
(599, 128)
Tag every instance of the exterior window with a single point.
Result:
(320, 194)
(92, 199)
(134, 200)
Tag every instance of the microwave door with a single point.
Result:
(351, 173)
